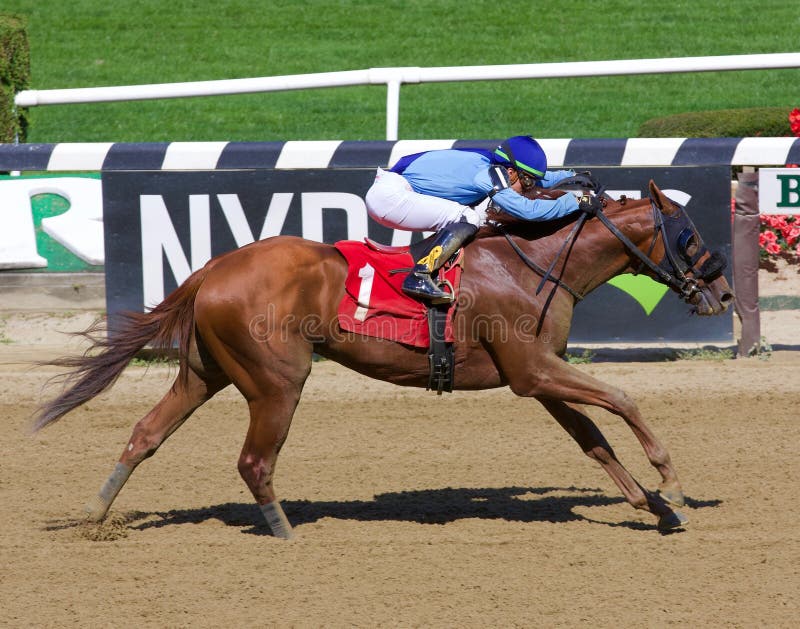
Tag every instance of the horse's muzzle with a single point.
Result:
(714, 298)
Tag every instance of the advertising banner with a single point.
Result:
(162, 225)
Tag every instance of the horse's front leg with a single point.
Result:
(591, 440)
(549, 377)
(558, 380)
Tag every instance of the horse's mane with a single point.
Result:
(529, 230)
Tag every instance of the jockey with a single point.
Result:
(439, 191)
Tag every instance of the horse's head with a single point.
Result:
(676, 256)
(696, 271)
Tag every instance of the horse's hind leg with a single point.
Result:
(151, 431)
(270, 417)
(594, 445)
(272, 403)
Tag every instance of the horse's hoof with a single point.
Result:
(277, 520)
(672, 520)
(674, 497)
(95, 510)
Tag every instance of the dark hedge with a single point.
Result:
(15, 71)
(725, 123)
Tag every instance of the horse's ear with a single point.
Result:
(660, 199)
(656, 195)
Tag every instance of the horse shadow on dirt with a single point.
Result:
(428, 506)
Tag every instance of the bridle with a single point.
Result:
(677, 269)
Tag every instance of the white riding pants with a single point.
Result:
(393, 203)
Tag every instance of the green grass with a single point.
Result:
(4, 340)
(706, 353)
(584, 358)
(84, 43)
(150, 361)
(779, 302)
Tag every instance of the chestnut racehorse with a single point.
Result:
(254, 317)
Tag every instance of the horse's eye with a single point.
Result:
(691, 246)
(688, 244)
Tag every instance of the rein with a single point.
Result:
(546, 274)
(585, 180)
(685, 286)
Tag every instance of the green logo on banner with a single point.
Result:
(645, 291)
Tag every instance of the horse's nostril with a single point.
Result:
(725, 300)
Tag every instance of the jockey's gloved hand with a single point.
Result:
(590, 205)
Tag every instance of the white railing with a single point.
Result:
(393, 78)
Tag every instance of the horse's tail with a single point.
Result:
(168, 324)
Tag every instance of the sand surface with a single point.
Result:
(466, 510)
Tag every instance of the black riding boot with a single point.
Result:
(445, 243)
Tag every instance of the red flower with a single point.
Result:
(794, 121)
(779, 233)
(791, 234)
(777, 221)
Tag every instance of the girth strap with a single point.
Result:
(441, 360)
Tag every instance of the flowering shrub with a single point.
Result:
(794, 121)
(780, 234)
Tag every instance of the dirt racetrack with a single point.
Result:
(469, 510)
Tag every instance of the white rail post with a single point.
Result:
(392, 108)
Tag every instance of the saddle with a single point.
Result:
(375, 305)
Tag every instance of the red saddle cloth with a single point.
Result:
(374, 303)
